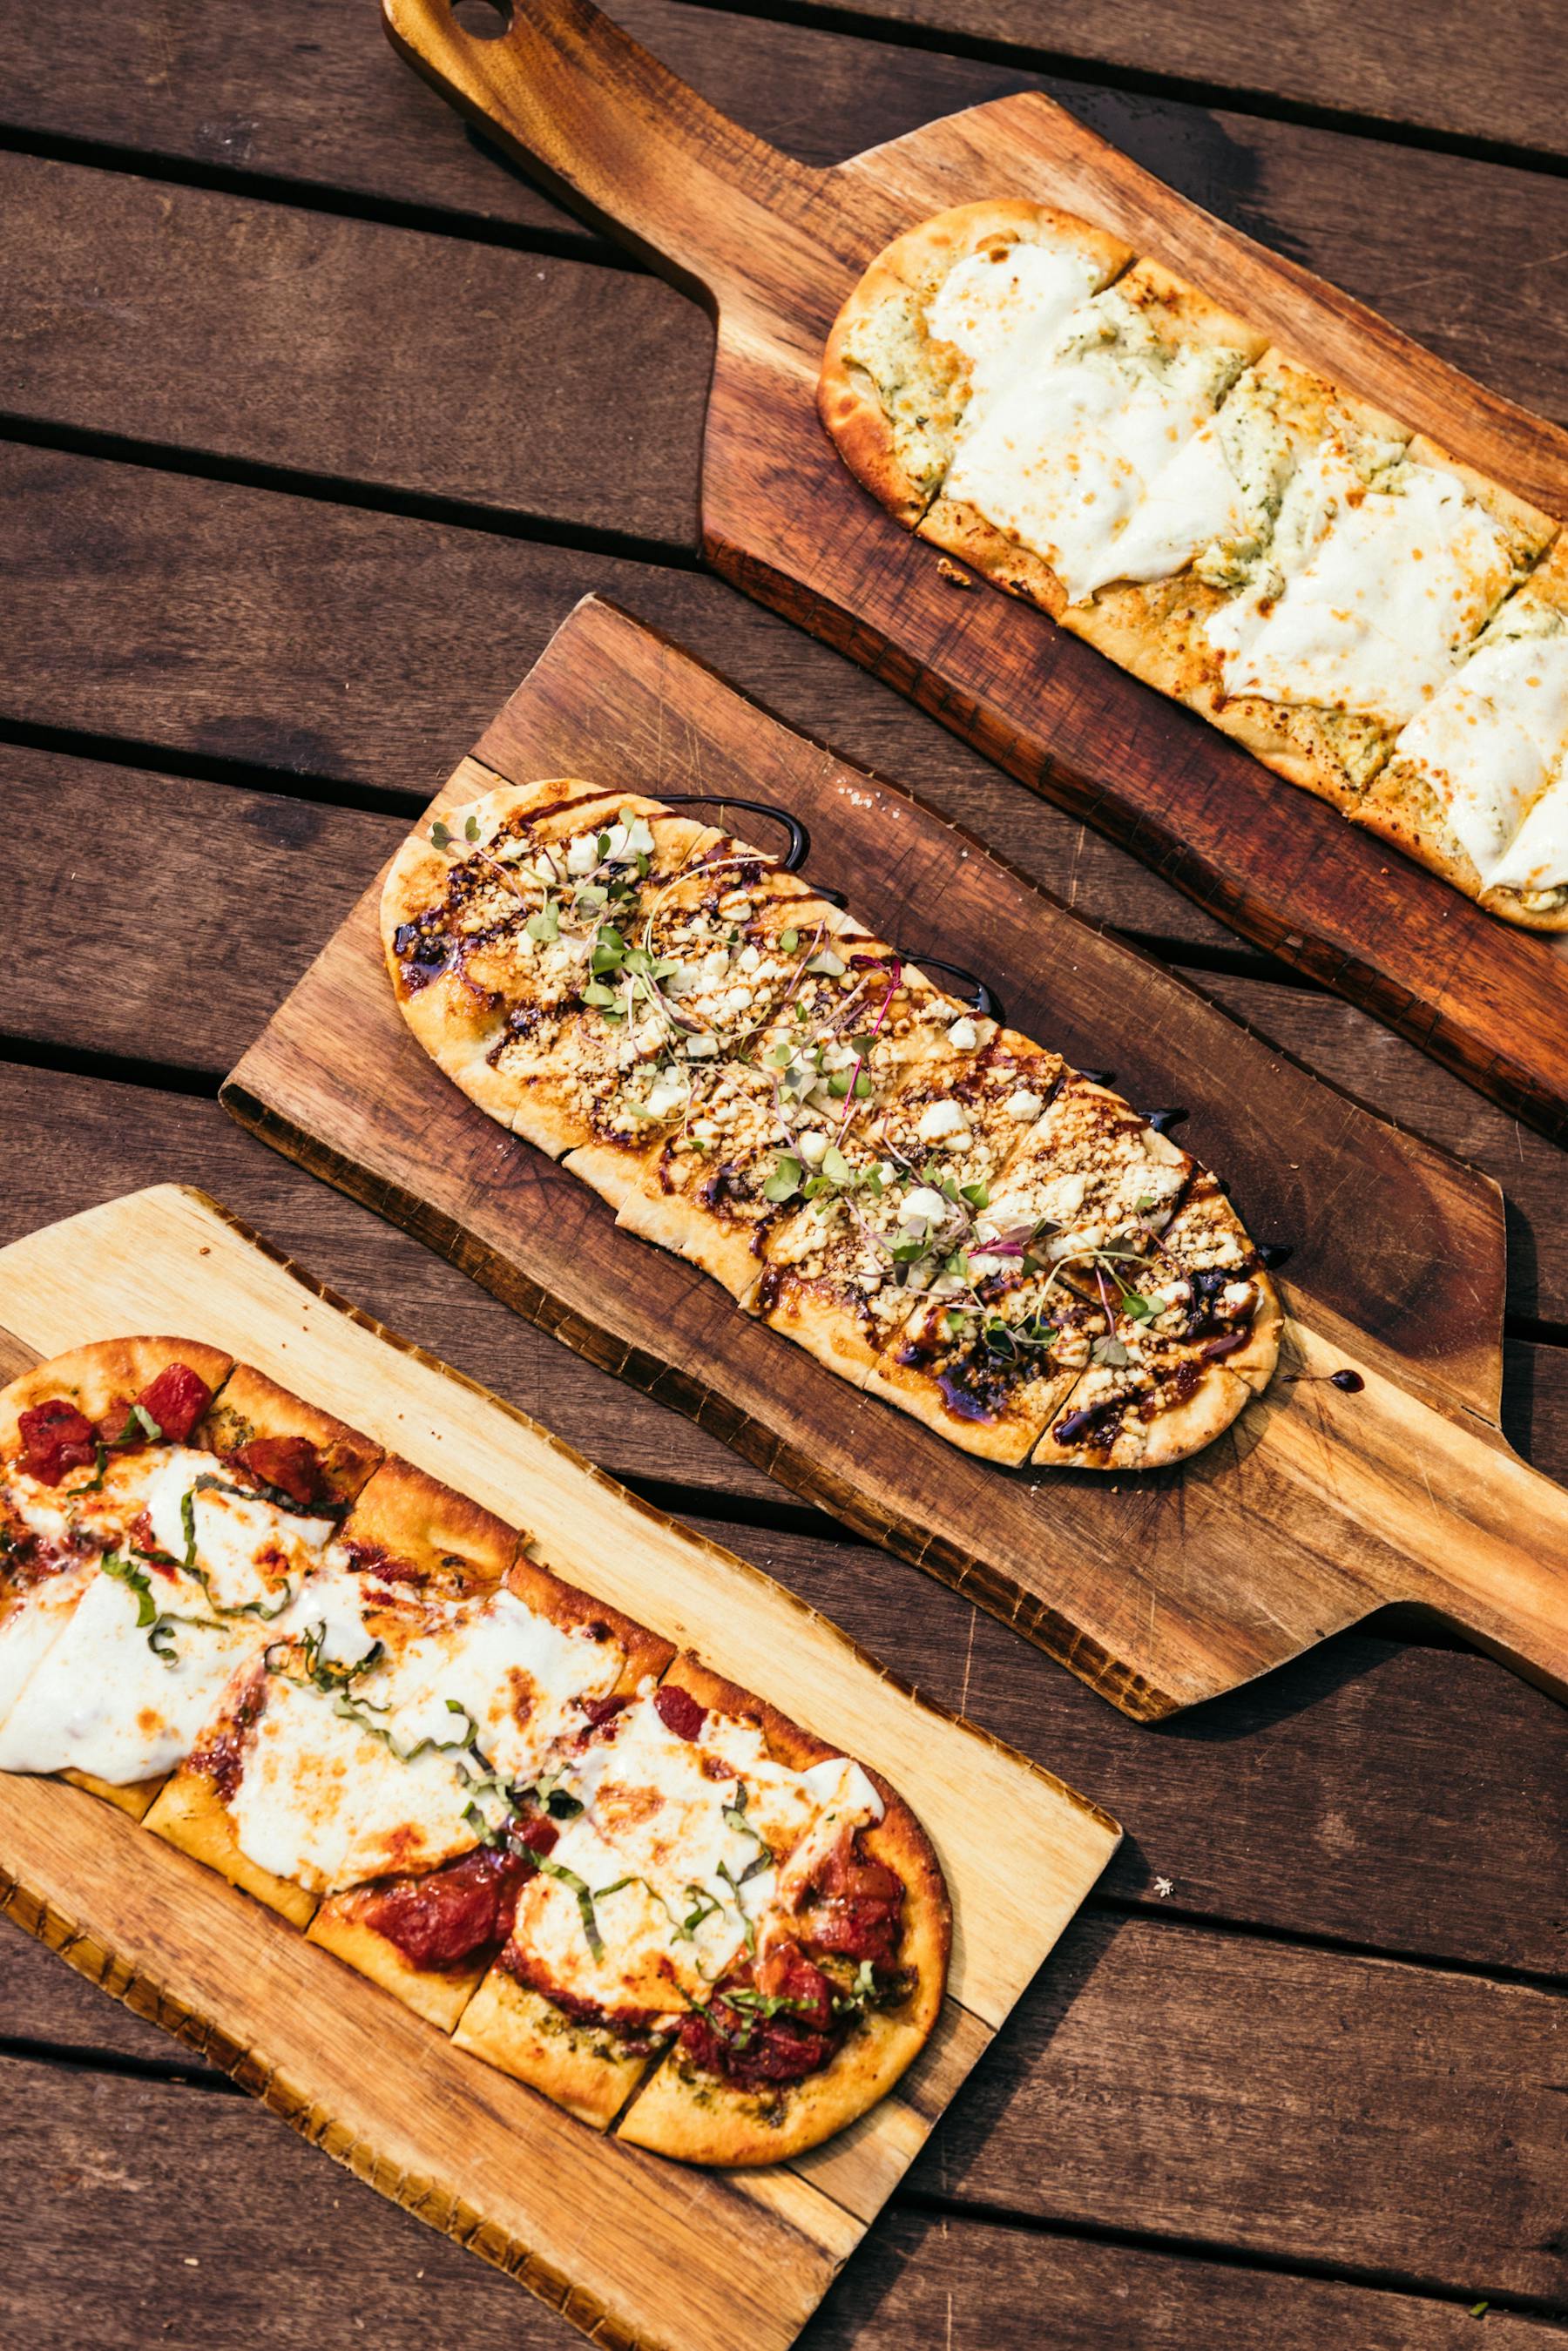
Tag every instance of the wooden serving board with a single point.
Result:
(636, 2251)
(772, 247)
(1316, 1508)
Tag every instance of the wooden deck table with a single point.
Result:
(281, 530)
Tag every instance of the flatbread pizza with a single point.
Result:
(1369, 616)
(756, 1083)
(364, 1700)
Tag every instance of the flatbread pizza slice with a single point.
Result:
(491, 917)
(746, 1136)
(1386, 560)
(1054, 456)
(524, 1658)
(940, 308)
(1477, 784)
(838, 1975)
(181, 1555)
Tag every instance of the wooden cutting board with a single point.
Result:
(772, 247)
(636, 2251)
(1159, 1589)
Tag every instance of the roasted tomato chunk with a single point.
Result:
(853, 1906)
(291, 1464)
(55, 1438)
(679, 1711)
(177, 1399)
(767, 2025)
(443, 1919)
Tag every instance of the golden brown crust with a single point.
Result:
(251, 1404)
(453, 1544)
(647, 1654)
(190, 1813)
(104, 1374)
(588, 2072)
(135, 1798)
(1170, 1432)
(438, 1994)
(697, 2118)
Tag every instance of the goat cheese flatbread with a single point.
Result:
(1304, 571)
(758, 1084)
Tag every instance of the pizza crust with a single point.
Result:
(697, 2118)
(251, 1406)
(190, 1813)
(527, 2036)
(105, 1373)
(451, 1542)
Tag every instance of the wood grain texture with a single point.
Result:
(275, 336)
(223, 622)
(302, 98)
(1409, 2118)
(489, 2163)
(1342, 58)
(104, 2253)
(1154, 1590)
(206, 875)
(774, 247)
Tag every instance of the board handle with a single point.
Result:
(1442, 1513)
(617, 137)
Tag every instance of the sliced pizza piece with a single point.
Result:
(1386, 560)
(753, 1131)
(838, 1975)
(959, 1115)
(989, 1352)
(1053, 461)
(961, 299)
(524, 1658)
(1477, 784)
(1206, 523)
(118, 1619)
(491, 916)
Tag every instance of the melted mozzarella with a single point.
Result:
(1537, 858)
(1063, 455)
(516, 1674)
(244, 1544)
(101, 1700)
(1394, 585)
(684, 1820)
(29, 1629)
(1005, 315)
(98, 1698)
(1188, 504)
(1488, 742)
(323, 1802)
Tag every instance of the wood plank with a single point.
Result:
(206, 875)
(103, 2252)
(237, 624)
(1349, 59)
(311, 99)
(940, 2278)
(1304, 2104)
(266, 333)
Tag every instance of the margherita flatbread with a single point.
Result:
(631, 1884)
(1341, 595)
(758, 1084)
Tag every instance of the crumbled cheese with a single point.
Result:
(1024, 1104)
(940, 1119)
(963, 1036)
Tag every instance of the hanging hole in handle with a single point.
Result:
(482, 20)
(983, 1002)
(800, 847)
